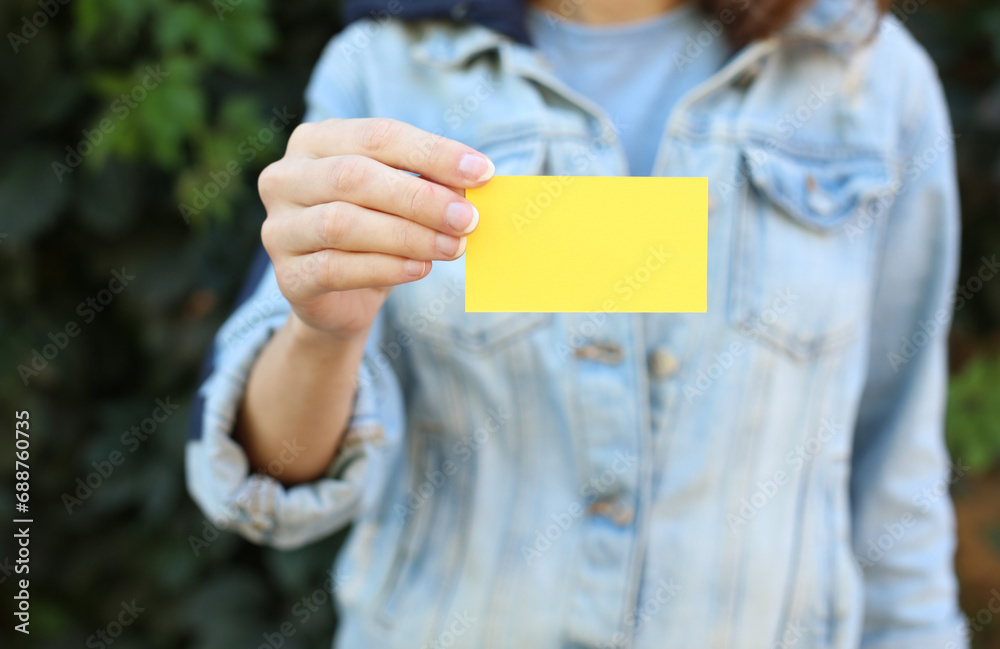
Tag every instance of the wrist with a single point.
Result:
(309, 338)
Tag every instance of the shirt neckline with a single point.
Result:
(553, 23)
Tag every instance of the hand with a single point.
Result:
(346, 222)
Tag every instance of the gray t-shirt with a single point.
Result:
(635, 71)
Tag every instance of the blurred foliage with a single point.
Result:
(974, 414)
(964, 41)
(116, 113)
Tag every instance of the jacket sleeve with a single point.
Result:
(218, 472)
(903, 519)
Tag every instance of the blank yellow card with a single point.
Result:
(588, 244)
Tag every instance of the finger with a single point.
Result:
(308, 276)
(369, 183)
(458, 190)
(346, 226)
(398, 145)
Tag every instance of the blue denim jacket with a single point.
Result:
(768, 474)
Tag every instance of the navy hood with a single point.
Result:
(504, 16)
(834, 22)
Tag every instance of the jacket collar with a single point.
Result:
(454, 45)
(838, 24)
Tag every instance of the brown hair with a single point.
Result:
(750, 20)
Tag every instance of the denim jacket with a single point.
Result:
(771, 473)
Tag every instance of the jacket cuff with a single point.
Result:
(257, 505)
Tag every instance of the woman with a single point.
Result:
(766, 474)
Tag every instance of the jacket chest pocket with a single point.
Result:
(432, 310)
(803, 248)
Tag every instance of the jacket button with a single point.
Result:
(460, 11)
(662, 363)
(618, 514)
(608, 353)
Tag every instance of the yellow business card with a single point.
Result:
(588, 244)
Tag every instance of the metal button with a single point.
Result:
(615, 512)
(460, 11)
(608, 353)
(662, 363)
(818, 199)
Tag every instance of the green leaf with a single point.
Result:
(974, 414)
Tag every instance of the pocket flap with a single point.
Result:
(818, 193)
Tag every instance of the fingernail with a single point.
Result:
(446, 245)
(475, 167)
(414, 268)
(462, 217)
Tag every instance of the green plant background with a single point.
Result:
(228, 64)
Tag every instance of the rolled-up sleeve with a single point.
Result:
(256, 504)
(903, 520)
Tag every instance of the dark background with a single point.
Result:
(223, 68)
